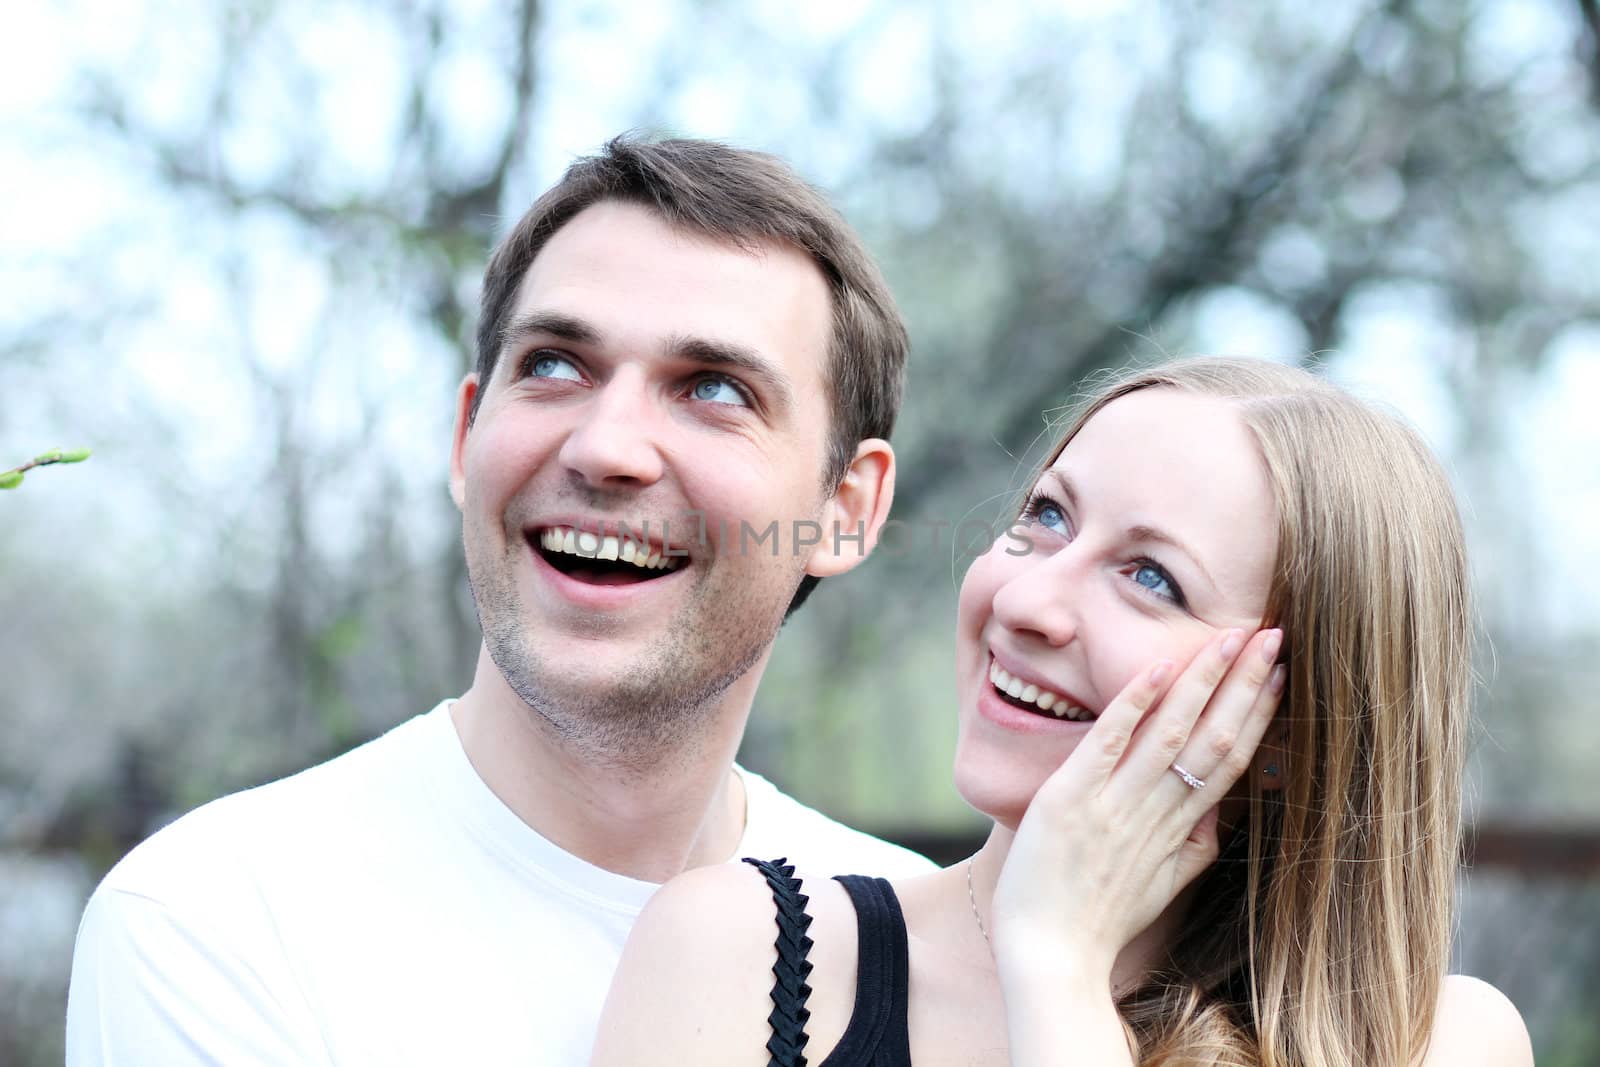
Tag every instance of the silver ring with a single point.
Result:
(1188, 779)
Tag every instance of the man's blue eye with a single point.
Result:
(717, 391)
(553, 367)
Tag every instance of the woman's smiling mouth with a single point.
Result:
(1030, 697)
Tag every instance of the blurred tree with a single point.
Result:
(1043, 220)
(325, 629)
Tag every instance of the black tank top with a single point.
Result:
(878, 1034)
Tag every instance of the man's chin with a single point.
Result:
(595, 682)
(619, 692)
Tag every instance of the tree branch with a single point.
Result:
(1216, 240)
(1589, 10)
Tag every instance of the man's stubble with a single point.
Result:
(660, 713)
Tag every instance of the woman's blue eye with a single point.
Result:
(1047, 513)
(554, 367)
(1155, 579)
(717, 391)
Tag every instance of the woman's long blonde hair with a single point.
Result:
(1321, 936)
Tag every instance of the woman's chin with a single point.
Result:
(1001, 792)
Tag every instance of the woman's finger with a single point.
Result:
(1198, 851)
(1217, 749)
(1246, 738)
(1103, 747)
(1158, 742)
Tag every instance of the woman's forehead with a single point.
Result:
(1188, 466)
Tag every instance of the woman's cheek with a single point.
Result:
(984, 578)
(1143, 645)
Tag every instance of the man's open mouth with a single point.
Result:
(1030, 697)
(604, 559)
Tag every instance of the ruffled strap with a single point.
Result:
(789, 989)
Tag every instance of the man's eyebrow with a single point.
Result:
(1140, 532)
(550, 323)
(752, 364)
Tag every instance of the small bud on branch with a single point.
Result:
(12, 478)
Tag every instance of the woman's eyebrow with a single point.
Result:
(1065, 485)
(1150, 533)
(1137, 532)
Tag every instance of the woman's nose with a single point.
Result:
(1041, 600)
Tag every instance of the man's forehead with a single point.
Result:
(620, 279)
(678, 274)
(627, 221)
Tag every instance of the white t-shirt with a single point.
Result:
(383, 908)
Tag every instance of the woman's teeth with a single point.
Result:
(1043, 699)
(594, 546)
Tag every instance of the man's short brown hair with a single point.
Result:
(748, 199)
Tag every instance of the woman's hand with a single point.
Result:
(1112, 838)
(1115, 834)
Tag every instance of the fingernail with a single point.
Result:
(1159, 672)
(1269, 647)
(1275, 680)
(1232, 644)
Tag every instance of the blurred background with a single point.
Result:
(240, 248)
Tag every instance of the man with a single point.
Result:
(687, 369)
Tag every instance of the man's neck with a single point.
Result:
(685, 810)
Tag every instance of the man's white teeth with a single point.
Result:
(595, 546)
(1017, 689)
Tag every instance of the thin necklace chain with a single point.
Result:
(972, 898)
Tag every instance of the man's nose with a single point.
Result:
(1044, 600)
(615, 443)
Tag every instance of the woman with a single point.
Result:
(1213, 689)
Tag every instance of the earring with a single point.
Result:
(1270, 770)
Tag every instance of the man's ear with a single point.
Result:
(855, 514)
(458, 475)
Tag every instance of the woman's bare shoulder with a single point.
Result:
(1476, 1024)
(689, 987)
(695, 978)
(721, 903)
(728, 910)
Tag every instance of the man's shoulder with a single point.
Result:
(253, 829)
(780, 825)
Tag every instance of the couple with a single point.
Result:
(1212, 689)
